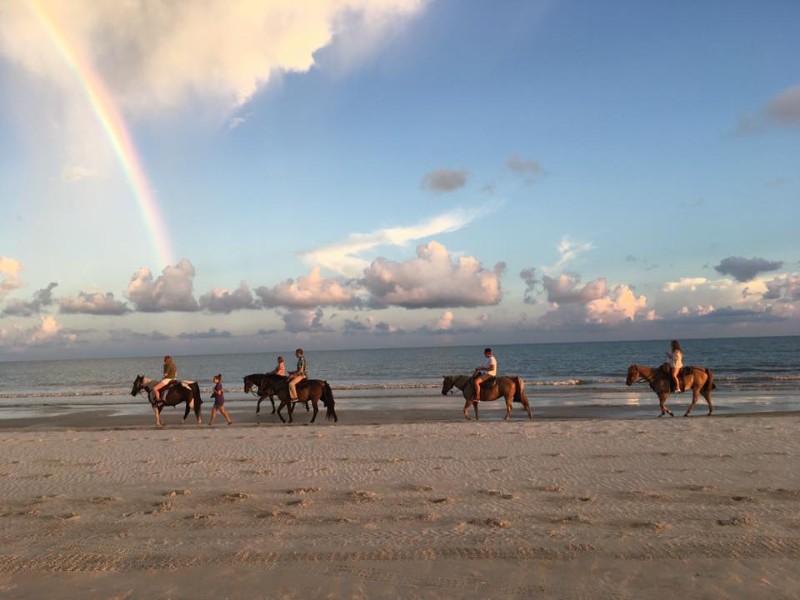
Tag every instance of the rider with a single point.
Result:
(486, 371)
(170, 375)
(280, 369)
(675, 356)
(296, 376)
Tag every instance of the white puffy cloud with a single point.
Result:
(9, 275)
(171, 291)
(46, 332)
(307, 292)
(93, 304)
(565, 289)
(156, 55)
(620, 305)
(433, 280)
(220, 300)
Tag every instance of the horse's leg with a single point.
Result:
(695, 397)
(526, 404)
(662, 401)
(707, 396)
(280, 406)
(258, 405)
(307, 407)
(509, 400)
(316, 409)
(291, 410)
(189, 406)
(466, 409)
(272, 399)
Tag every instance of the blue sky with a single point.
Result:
(398, 173)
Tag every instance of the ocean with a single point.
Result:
(752, 375)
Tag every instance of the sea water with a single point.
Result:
(751, 374)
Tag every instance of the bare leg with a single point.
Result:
(213, 416)
(226, 415)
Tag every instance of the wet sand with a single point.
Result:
(412, 503)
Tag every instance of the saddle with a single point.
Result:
(184, 383)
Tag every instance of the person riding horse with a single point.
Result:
(485, 372)
(170, 375)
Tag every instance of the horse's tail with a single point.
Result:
(520, 388)
(709, 385)
(327, 398)
(198, 398)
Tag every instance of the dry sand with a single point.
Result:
(581, 508)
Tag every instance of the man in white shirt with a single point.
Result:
(486, 371)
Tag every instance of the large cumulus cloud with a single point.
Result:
(433, 279)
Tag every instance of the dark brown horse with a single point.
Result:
(510, 388)
(257, 385)
(308, 390)
(173, 394)
(699, 379)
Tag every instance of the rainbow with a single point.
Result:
(116, 131)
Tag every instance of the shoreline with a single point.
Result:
(600, 508)
(243, 415)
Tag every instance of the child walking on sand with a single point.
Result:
(219, 401)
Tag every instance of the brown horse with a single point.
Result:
(256, 384)
(699, 379)
(172, 395)
(510, 388)
(312, 390)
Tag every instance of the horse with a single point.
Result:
(312, 390)
(699, 379)
(512, 388)
(255, 384)
(171, 395)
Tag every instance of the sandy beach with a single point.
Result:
(404, 503)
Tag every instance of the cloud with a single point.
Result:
(128, 335)
(621, 304)
(369, 325)
(782, 111)
(303, 321)
(530, 170)
(212, 334)
(9, 275)
(532, 285)
(93, 304)
(784, 289)
(568, 251)
(40, 300)
(220, 300)
(172, 291)
(45, 333)
(444, 180)
(565, 289)
(433, 280)
(345, 257)
(77, 173)
(307, 292)
(156, 56)
(745, 269)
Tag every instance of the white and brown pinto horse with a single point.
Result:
(511, 388)
(699, 379)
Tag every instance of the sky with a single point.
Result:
(199, 177)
